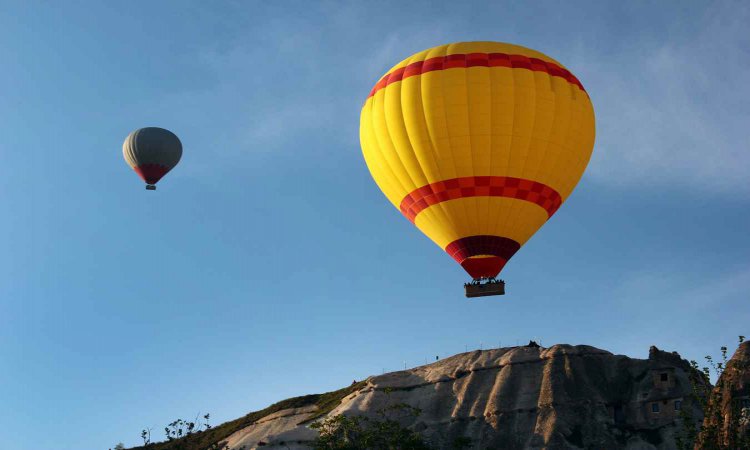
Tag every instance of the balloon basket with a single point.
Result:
(150, 187)
(484, 288)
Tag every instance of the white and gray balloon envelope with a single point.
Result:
(152, 152)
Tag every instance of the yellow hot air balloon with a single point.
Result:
(478, 144)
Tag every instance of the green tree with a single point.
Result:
(385, 432)
(361, 433)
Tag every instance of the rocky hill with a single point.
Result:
(529, 397)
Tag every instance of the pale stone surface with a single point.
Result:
(281, 426)
(562, 397)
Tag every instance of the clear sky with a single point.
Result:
(269, 265)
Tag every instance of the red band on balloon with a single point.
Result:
(487, 186)
(474, 60)
(151, 173)
(469, 246)
(501, 249)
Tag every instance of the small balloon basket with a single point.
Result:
(150, 187)
(484, 287)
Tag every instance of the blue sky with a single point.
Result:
(269, 265)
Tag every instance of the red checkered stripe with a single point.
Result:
(476, 60)
(486, 186)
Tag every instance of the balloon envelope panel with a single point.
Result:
(478, 144)
(152, 152)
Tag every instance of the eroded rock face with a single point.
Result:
(562, 397)
(732, 393)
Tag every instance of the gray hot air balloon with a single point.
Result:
(152, 152)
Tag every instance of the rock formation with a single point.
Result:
(562, 397)
(728, 412)
(737, 384)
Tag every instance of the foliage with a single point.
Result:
(718, 431)
(207, 439)
(146, 436)
(460, 443)
(180, 434)
(185, 435)
(384, 432)
(342, 432)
